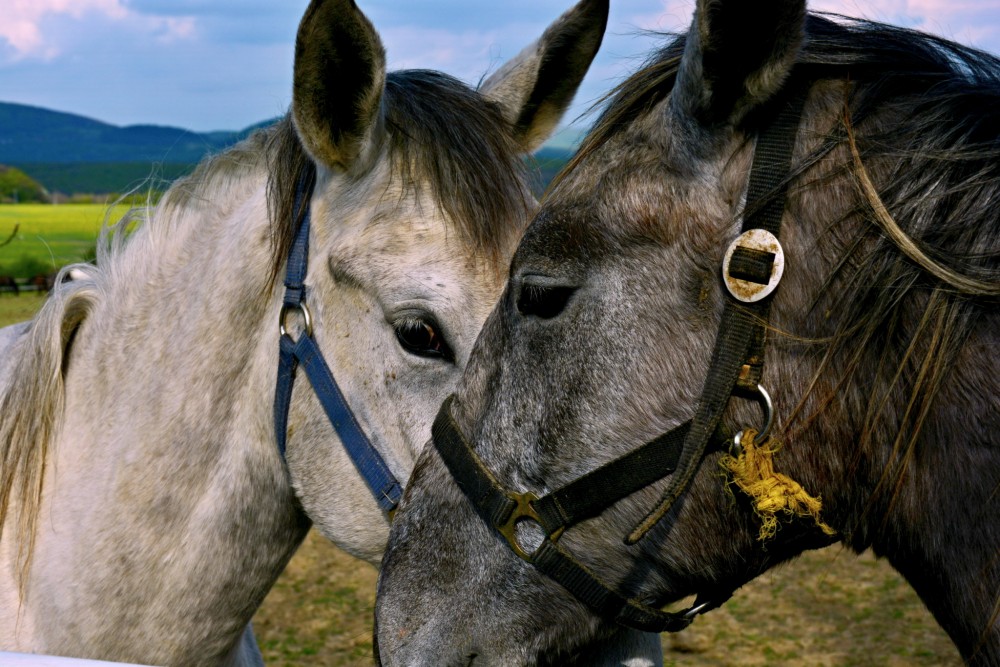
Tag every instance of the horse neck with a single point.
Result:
(941, 530)
(166, 489)
(920, 493)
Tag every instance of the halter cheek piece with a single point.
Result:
(305, 352)
(751, 271)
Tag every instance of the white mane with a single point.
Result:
(146, 244)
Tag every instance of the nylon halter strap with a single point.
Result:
(751, 272)
(305, 352)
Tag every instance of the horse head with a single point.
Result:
(770, 223)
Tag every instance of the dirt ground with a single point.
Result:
(826, 609)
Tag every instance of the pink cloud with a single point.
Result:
(672, 16)
(457, 52)
(23, 26)
(21, 29)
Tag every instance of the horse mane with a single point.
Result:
(921, 132)
(32, 400)
(31, 406)
(442, 135)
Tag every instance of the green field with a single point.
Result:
(49, 236)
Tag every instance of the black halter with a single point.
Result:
(369, 463)
(751, 271)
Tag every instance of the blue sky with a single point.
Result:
(226, 64)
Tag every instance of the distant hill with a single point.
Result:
(545, 164)
(33, 135)
(105, 178)
(71, 154)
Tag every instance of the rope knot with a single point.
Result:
(771, 492)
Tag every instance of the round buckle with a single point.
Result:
(307, 322)
(762, 245)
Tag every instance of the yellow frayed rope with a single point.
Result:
(772, 492)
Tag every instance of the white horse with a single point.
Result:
(145, 508)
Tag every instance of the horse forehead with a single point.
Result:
(423, 251)
(638, 185)
(637, 205)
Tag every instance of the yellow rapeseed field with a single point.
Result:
(50, 235)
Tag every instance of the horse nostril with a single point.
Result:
(544, 301)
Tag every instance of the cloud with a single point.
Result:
(22, 18)
(967, 21)
(672, 16)
(228, 63)
(30, 26)
(971, 22)
(457, 52)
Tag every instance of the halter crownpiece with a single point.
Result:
(369, 463)
(752, 270)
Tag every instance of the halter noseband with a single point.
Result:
(305, 352)
(751, 270)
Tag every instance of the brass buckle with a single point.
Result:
(523, 511)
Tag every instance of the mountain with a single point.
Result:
(72, 154)
(35, 135)
(566, 139)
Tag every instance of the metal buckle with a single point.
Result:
(306, 318)
(523, 511)
(754, 239)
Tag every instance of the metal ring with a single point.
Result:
(694, 610)
(768, 414)
(306, 318)
(765, 398)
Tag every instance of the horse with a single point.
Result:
(756, 314)
(9, 284)
(148, 500)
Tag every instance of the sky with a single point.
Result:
(226, 64)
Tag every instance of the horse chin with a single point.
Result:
(437, 646)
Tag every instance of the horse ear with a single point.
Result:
(535, 88)
(338, 84)
(738, 54)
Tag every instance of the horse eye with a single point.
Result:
(544, 301)
(422, 338)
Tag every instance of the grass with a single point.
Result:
(14, 309)
(826, 608)
(49, 236)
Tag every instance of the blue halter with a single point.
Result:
(370, 464)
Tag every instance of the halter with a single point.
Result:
(751, 271)
(369, 463)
